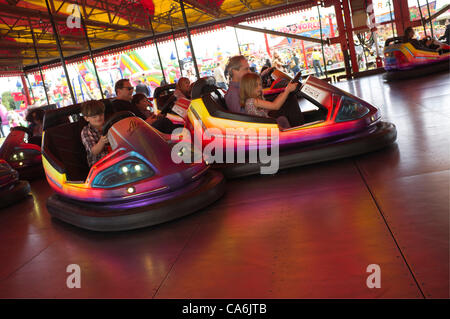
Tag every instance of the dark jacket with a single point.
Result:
(122, 105)
(446, 35)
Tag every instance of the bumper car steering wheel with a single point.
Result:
(114, 119)
(297, 79)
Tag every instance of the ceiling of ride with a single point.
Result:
(114, 23)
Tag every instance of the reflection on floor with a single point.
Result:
(308, 232)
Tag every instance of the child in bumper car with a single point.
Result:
(95, 143)
(252, 100)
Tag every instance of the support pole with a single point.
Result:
(421, 18)
(305, 58)
(392, 21)
(157, 50)
(431, 22)
(349, 30)
(342, 38)
(176, 48)
(30, 87)
(90, 53)
(267, 46)
(441, 11)
(321, 38)
(25, 89)
(237, 41)
(61, 55)
(188, 32)
(38, 61)
(330, 22)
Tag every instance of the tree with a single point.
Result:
(8, 100)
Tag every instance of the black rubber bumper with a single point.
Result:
(417, 72)
(14, 193)
(210, 189)
(381, 135)
(31, 172)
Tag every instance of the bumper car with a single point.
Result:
(11, 188)
(138, 184)
(336, 125)
(404, 60)
(23, 152)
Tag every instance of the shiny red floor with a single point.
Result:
(308, 232)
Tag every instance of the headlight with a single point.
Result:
(127, 171)
(350, 110)
(20, 155)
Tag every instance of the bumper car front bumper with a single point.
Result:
(374, 138)
(120, 217)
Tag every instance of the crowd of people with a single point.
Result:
(244, 96)
(288, 62)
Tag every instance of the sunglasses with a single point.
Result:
(129, 88)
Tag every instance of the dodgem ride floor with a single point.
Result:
(309, 232)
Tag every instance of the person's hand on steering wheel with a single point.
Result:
(297, 82)
(291, 87)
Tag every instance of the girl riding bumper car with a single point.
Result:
(336, 125)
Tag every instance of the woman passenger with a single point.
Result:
(158, 121)
(142, 104)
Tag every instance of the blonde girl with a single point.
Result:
(252, 99)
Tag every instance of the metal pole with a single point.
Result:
(342, 37)
(237, 40)
(58, 43)
(38, 61)
(421, 18)
(81, 86)
(392, 22)
(30, 87)
(157, 50)
(25, 89)
(189, 39)
(176, 48)
(431, 22)
(349, 32)
(90, 53)
(321, 38)
(364, 53)
(305, 58)
(81, 90)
